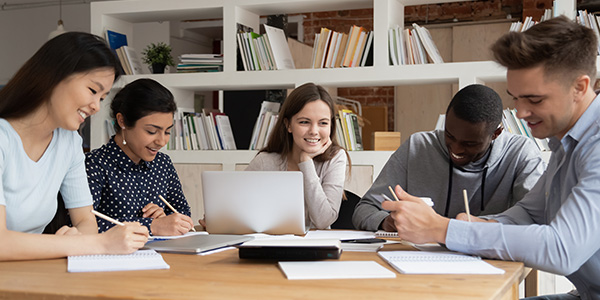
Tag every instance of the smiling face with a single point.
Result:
(466, 142)
(546, 105)
(310, 127)
(146, 137)
(78, 97)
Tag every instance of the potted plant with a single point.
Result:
(158, 56)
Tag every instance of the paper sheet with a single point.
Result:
(334, 270)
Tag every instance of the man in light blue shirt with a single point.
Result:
(556, 226)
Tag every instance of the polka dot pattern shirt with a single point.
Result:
(121, 188)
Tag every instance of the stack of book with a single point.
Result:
(528, 22)
(201, 131)
(267, 117)
(348, 130)
(412, 46)
(518, 126)
(591, 21)
(189, 63)
(336, 49)
(269, 51)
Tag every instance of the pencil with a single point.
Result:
(168, 204)
(393, 193)
(467, 205)
(107, 218)
(172, 208)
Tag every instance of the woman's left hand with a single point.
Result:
(153, 211)
(307, 156)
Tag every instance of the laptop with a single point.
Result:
(195, 244)
(242, 202)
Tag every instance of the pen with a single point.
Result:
(393, 193)
(467, 205)
(107, 218)
(168, 204)
(172, 208)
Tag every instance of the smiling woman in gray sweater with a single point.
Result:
(304, 140)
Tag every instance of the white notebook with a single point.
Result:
(422, 262)
(139, 260)
(334, 270)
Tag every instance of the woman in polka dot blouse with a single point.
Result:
(304, 139)
(128, 174)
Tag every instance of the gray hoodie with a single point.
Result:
(421, 166)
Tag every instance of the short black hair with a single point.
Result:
(477, 103)
(141, 98)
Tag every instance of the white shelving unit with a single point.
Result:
(126, 16)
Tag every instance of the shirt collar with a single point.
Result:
(123, 161)
(578, 130)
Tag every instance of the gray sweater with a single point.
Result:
(421, 167)
(323, 184)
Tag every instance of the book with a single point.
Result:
(354, 35)
(392, 43)
(123, 60)
(139, 260)
(265, 106)
(279, 46)
(367, 58)
(428, 44)
(324, 38)
(389, 234)
(133, 61)
(224, 128)
(357, 132)
(115, 39)
(295, 270)
(438, 262)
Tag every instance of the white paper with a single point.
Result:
(339, 234)
(421, 262)
(334, 270)
(139, 260)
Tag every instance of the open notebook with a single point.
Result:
(423, 262)
(139, 260)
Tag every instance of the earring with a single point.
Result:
(123, 133)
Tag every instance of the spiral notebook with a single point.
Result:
(422, 262)
(139, 260)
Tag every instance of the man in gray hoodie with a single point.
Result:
(496, 168)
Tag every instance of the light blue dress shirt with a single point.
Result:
(556, 227)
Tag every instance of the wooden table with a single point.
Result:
(224, 276)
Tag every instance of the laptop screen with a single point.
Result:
(241, 202)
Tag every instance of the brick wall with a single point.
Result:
(342, 20)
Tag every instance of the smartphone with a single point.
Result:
(364, 241)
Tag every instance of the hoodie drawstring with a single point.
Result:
(451, 174)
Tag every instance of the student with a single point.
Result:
(128, 174)
(41, 108)
(304, 139)
(551, 72)
(472, 152)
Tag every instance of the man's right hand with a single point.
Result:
(388, 224)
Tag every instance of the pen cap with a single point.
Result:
(427, 201)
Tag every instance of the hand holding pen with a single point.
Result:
(415, 221)
(173, 224)
(124, 238)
